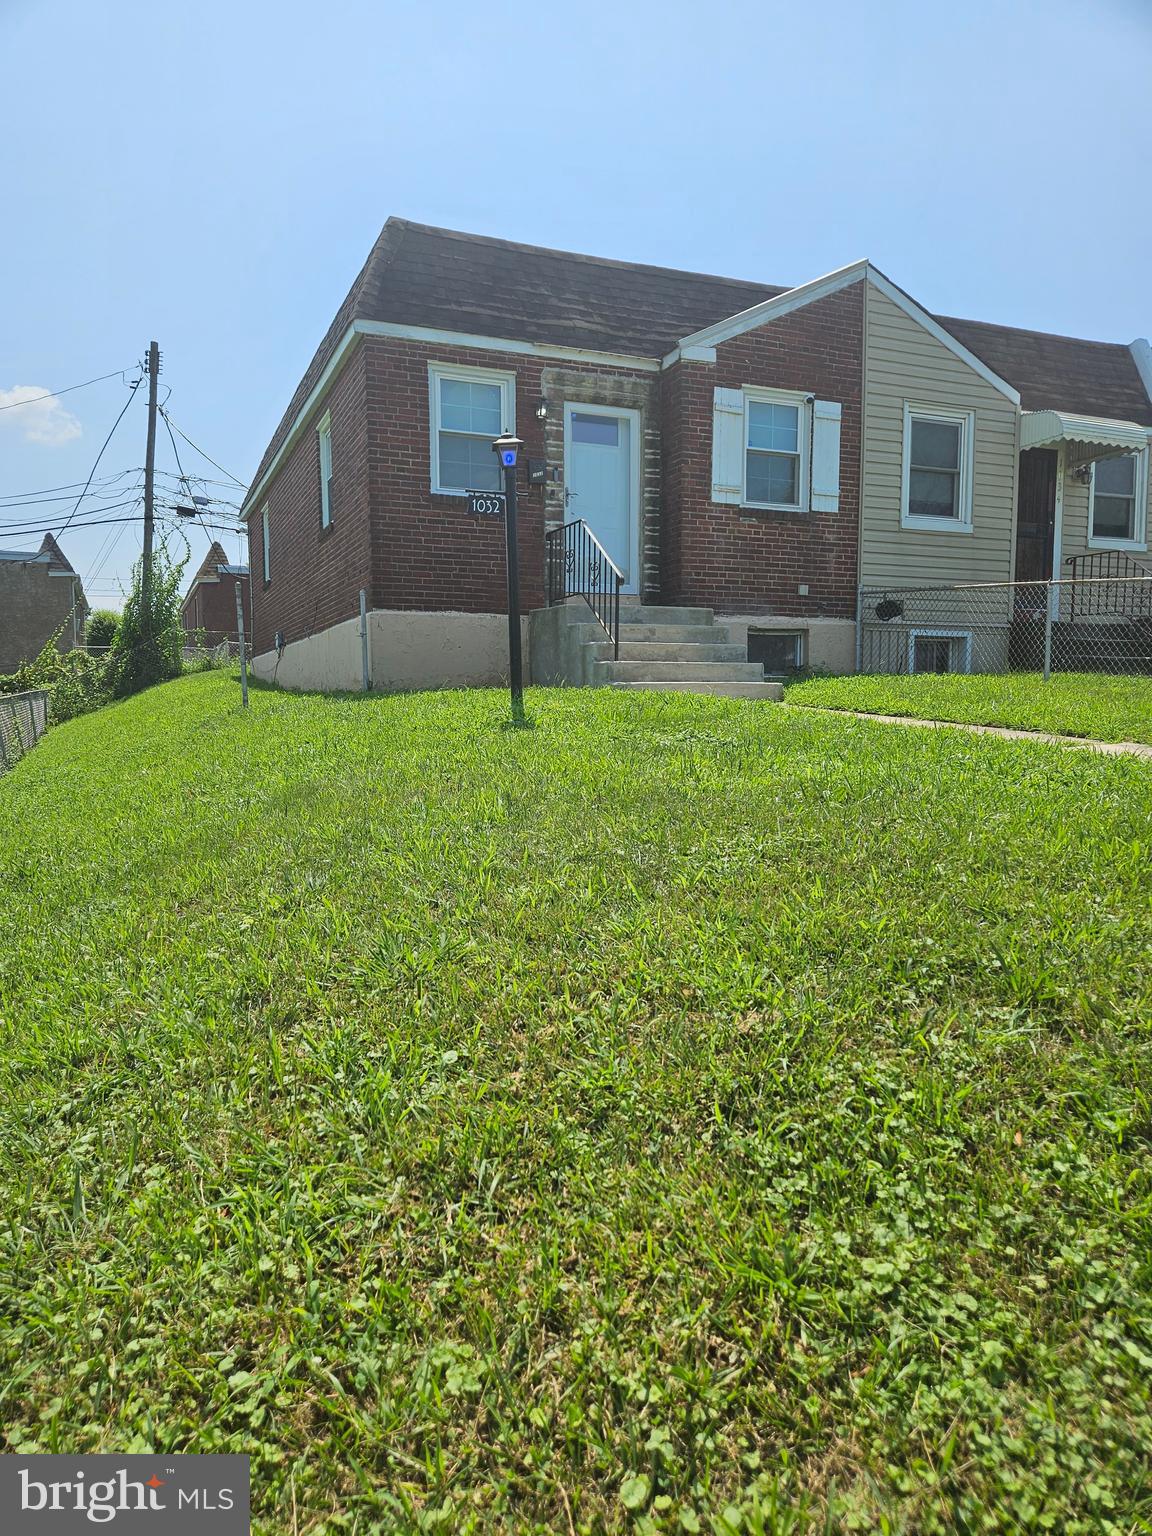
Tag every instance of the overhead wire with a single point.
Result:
(131, 396)
(239, 484)
(52, 394)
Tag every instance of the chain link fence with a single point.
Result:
(23, 720)
(1100, 624)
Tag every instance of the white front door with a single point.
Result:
(602, 479)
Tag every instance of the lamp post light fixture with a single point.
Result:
(507, 446)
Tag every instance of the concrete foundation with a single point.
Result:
(405, 650)
(829, 644)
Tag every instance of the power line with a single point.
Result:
(17, 498)
(51, 394)
(111, 539)
(100, 522)
(131, 396)
(29, 519)
(105, 492)
(238, 483)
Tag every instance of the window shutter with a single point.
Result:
(826, 456)
(728, 445)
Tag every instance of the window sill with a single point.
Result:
(760, 506)
(934, 524)
(1135, 546)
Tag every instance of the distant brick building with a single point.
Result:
(40, 596)
(209, 608)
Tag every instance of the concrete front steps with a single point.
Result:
(678, 650)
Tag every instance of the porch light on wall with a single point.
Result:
(542, 410)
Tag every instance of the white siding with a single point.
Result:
(902, 362)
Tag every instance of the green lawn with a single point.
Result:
(1069, 704)
(687, 1115)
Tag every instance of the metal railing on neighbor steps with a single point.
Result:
(1096, 573)
(1099, 623)
(578, 565)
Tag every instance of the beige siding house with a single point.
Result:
(911, 375)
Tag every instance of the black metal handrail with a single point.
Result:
(1097, 571)
(578, 565)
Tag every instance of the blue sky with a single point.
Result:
(213, 174)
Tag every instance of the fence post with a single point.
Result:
(1048, 595)
(243, 658)
(859, 628)
(366, 680)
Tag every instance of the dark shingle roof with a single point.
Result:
(419, 275)
(1060, 373)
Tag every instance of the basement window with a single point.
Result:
(935, 650)
(779, 651)
(470, 407)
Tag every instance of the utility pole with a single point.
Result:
(149, 492)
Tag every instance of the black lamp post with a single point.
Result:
(508, 446)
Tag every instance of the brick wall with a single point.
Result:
(738, 559)
(428, 553)
(212, 608)
(418, 551)
(316, 573)
(34, 604)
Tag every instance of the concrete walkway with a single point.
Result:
(1111, 748)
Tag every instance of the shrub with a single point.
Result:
(76, 681)
(149, 647)
(101, 629)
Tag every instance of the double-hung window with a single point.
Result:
(776, 433)
(266, 542)
(324, 433)
(1118, 494)
(470, 407)
(937, 479)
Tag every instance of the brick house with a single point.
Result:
(40, 596)
(736, 449)
(209, 608)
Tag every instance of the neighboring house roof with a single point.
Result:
(49, 553)
(214, 565)
(1090, 378)
(210, 565)
(441, 279)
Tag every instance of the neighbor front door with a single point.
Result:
(601, 480)
(1036, 515)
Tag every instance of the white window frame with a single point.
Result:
(1140, 513)
(266, 540)
(438, 371)
(324, 434)
(939, 634)
(803, 402)
(966, 421)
